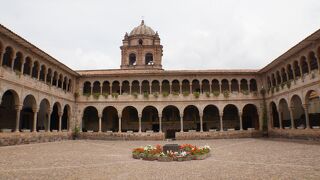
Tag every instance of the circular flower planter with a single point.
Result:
(165, 159)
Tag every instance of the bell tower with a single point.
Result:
(141, 49)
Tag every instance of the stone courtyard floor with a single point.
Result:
(230, 159)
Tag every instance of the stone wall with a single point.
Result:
(308, 134)
(7, 139)
(218, 135)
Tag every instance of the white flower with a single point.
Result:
(207, 147)
(183, 153)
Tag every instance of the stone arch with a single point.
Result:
(8, 57)
(185, 86)
(284, 113)
(54, 117)
(205, 86)
(17, 65)
(55, 78)
(116, 87)
(155, 86)
(290, 72)
(64, 84)
(231, 117)
(165, 86)
(250, 117)
(297, 112)
(90, 119)
(283, 75)
(234, 85)
(170, 121)
(145, 87)
(132, 59)
(27, 66)
(60, 81)
(304, 65)
(65, 119)
(224, 85)
(27, 112)
(49, 76)
(8, 112)
(312, 60)
(35, 69)
(244, 85)
(269, 82)
(149, 59)
(110, 119)
(130, 119)
(191, 118)
(296, 69)
(135, 87)
(275, 123)
(253, 85)
(195, 86)
(278, 77)
(86, 88)
(69, 85)
(211, 117)
(273, 80)
(312, 101)
(106, 88)
(96, 88)
(150, 119)
(43, 70)
(175, 86)
(43, 115)
(215, 86)
(125, 87)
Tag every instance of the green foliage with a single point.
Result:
(175, 93)
(165, 94)
(115, 95)
(156, 94)
(185, 93)
(75, 132)
(87, 94)
(226, 94)
(208, 94)
(216, 93)
(105, 95)
(196, 94)
(96, 95)
(135, 94)
(289, 84)
(146, 95)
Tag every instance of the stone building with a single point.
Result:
(141, 100)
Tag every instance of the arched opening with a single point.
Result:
(175, 87)
(55, 79)
(69, 85)
(17, 65)
(150, 119)
(313, 61)
(253, 85)
(250, 117)
(185, 87)
(278, 77)
(35, 69)
(145, 87)
(155, 86)
(65, 118)
(60, 81)
(49, 76)
(205, 86)
(27, 66)
(215, 86)
(313, 103)
(170, 121)
(283, 75)
(269, 82)
(54, 120)
(195, 86)
(290, 72)
(165, 87)
(64, 84)
(244, 85)
(90, 119)
(26, 115)
(284, 113)
(8, 57)
(96, 88)
(132, 59)
(8, 110)
(149, 59)
(304, 65)
(125, 88)
(86, 88)
(224, 85)
(110, 119)
(231, 117)
(105, 88)
(234, 86)
(116, 87)
(42, 73)
(296, 69)
(43, 115)
(211, 118)
(130, 119)
(275, 115)
(191, 118)
(273, 80)
(135, 88)
(298, 112)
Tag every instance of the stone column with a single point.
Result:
(160, 123)
(293, 72)
(240, 118)
(140, 88)
(220, 88)
(160, 90)
(201, 122)
(35, 115)
(60, 121)
(140, 117)
(100, 123)
(130, 89)
(200, 85)
(39, 75)
(229, 87)
(18, 110)
(249, 89)
(110, 89)
(280, 118)
(91, 89)
(22, 66)
(291, 109)
(221, 121)
(306, 112)
(150, 88)
(119, 115)
(13, 60)
(191, 89)
(210, 88)
(1, 57)
(101, 89)
(181, 122)
(120, 89)
(181, 88)
(239, 86)
(170, 88)
(49, 120)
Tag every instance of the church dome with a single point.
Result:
(142, 29)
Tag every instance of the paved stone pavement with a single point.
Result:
(231, 159)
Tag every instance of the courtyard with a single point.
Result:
(230, 159)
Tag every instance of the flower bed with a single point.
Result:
(187, 152)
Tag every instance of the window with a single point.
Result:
(132, 59)
(149, 59)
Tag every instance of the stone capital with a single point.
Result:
(18, 107)
(35, 110)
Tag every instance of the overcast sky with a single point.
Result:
(206, 34)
